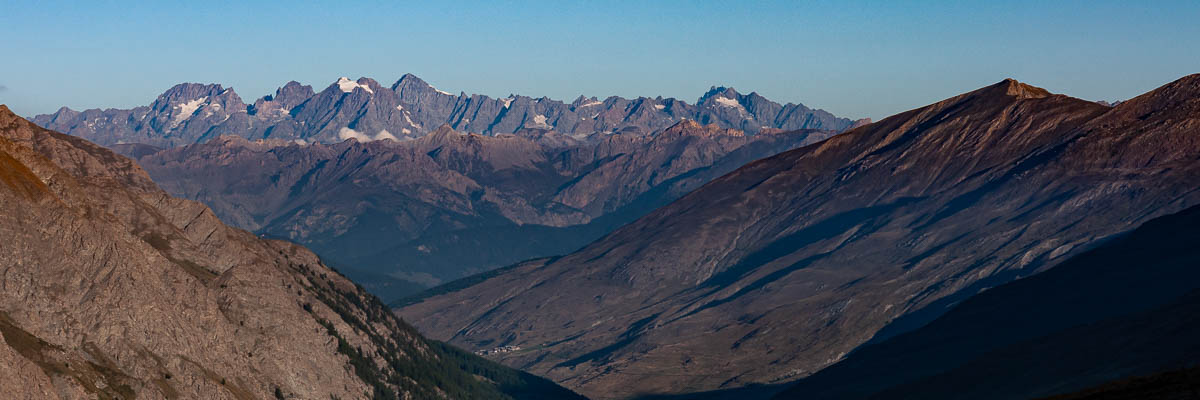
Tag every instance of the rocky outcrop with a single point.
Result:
(365, 110)
(114, 289)
(410, 209)
(784, 266)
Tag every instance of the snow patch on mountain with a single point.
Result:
(348, 85)
(727, 102)
(410, 121)
(187, 109)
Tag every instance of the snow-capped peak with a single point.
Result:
(348, 85)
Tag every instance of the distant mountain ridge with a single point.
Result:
(365, 110)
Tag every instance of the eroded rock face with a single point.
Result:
(449, 204)
(784, 266)
(113, 289)
(363, 109)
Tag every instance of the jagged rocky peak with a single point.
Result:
(197, 93)
(721, 95)
(191, 113)
(293, 93)
(410, 82)
(283, 101)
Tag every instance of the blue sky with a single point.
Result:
(853, 58)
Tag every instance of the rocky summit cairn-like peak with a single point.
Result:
(1020, 90)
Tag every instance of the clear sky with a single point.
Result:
(853, 58)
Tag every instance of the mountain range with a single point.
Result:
(787, 265)
(401, 216)
(365, 110)
(115, 290)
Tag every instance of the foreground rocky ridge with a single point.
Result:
(114, 289)
(784, 266)
(407, 215)
(363, 109)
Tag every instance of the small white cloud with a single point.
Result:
(347, 133)
(384, 134)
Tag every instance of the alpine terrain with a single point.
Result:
(403, 216)
(113, 289)
(783, 267)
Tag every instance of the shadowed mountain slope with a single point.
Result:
(114, 289)
(1178, 384)
(784, 266)
(1129, 307)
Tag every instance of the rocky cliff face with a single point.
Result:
(784, 266)
(114, 289)
(448, 204)
(365, 110)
